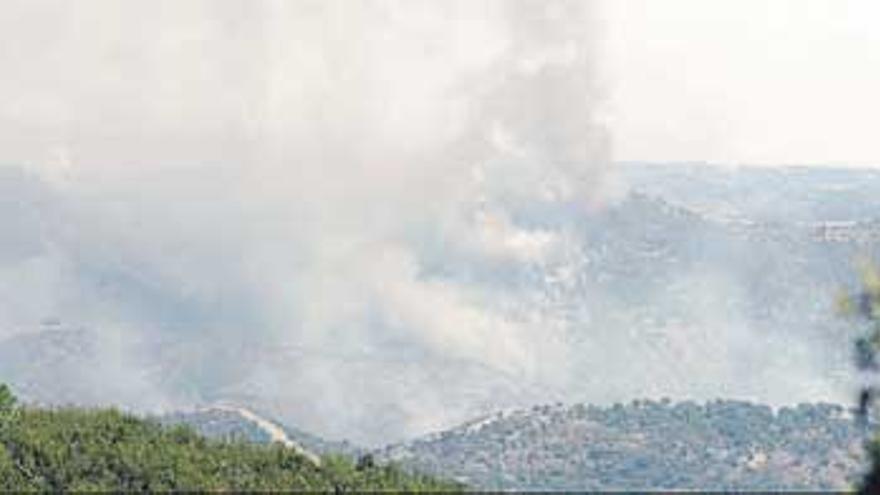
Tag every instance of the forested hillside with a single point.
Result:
(722, 445)
(79, 449)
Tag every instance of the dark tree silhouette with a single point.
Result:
(865, 305)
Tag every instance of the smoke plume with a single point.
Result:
(313, 206)
(293, 201)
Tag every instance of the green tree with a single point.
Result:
(69, 449)
(7, 408)
(7, 399)
(865, 305)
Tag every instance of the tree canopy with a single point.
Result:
(79, 449)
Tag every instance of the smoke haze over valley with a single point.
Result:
(379, 219)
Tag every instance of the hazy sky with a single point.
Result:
(753, 81)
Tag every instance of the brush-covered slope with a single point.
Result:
(79, 450)
(647, 445)
(225, 424)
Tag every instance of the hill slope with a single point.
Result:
(225, 423)
(78, 449)
(722, 445)
(711, 283)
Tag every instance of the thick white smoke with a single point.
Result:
(314, 206)
(270, 190)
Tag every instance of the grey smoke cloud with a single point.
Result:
(240, 178)
(312, 206)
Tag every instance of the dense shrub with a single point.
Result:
(78, 449)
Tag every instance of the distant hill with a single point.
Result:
(721, 445)
(767, 194)
(709, 281)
